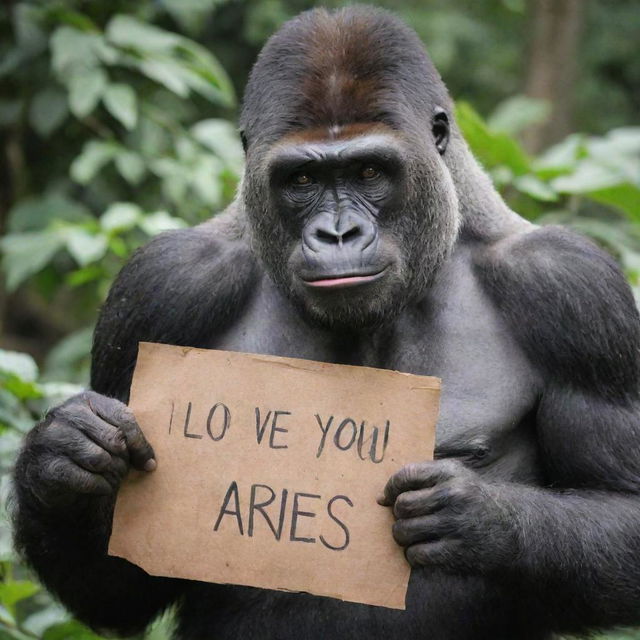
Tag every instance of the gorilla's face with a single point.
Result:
(352, 225)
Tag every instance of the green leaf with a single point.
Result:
(73, 48)
(32, 214)
(37, 623)
(85, 247)
(167, 73)
(48, 110)
(562, 157)
(59, 391)
(589, 176)
(85, 90)
(19, 364)
(120, 216)
(172, 60)
(13, 592)
(205, 178)
(21, 389)
(191, 14)
(125, 31)
(625, 197)
(95, 155)
(90, 273)
(160, 221)
(492, 148)
(130, 165)
(71, 630)
(67, 353)
(27, 253)
(221, 137)
(535, 188)
(207, 76)
(518, 112)
(120, 101)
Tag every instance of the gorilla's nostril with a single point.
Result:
(327, 237)
(334, 237)
(353, 233)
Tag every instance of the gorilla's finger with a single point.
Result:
(62, 475)
(438, 553)
(117, 413)
(408, 531)
(103, 433)
(82, 450)
(418, 475)
(422, 502)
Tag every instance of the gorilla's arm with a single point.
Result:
(181, 288)
(574, 314)
(575, 544)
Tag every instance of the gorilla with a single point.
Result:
(365, 233)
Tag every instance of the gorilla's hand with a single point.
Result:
(448, 517)
(83, 447)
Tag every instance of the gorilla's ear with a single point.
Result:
(440, 129)
(243, 139)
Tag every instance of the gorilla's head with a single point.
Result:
(350, 203)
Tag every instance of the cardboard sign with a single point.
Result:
(269, 469)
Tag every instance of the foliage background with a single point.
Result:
(117, 122)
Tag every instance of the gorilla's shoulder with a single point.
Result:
(181, 288)
(568, 304)
(210, 264)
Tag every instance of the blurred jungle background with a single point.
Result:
(117, 122)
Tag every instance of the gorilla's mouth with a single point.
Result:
(344, 280)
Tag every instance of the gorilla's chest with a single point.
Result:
(488, 388)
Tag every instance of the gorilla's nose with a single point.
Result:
(348, 232)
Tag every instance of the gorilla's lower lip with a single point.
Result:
(342, 281)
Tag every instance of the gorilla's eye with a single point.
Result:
(369, 172)
(440, 128)
(301, 179)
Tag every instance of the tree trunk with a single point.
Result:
(552, 66)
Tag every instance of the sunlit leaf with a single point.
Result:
(120, 216)
(205, 178)
(167, 73)
(562, 157)
(73, 49)
(589, 176)
(13, 592)
(491, 148)
(19, 364)
(518, 112)
(71, 630)
(160, 221)
(94, 156)
(85, 90)
(625, 197)
(130, 165)
(535, 188)
(85, 247)
(126, 31)
(221, 137)
(120, 101)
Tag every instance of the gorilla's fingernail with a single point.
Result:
(150, 465)
(381, 500)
